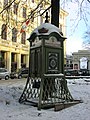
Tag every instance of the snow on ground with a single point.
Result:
(11, 109)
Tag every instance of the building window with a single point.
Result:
(70, 62)
(24, 12)
(23, 64)
(5, 3)
(15, 8)
(67, 62)
(4, 32)
(14, 34)
(13, 62)
(2, 59)
(76, 66)
(61, 28)
(23, 38)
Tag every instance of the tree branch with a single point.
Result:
(88, 1)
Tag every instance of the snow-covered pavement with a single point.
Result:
(11, 109)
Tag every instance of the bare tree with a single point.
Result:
(81, 11)
(86, 40)
(88, 1)
(80, 8)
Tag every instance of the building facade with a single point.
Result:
(81, 60)
(17, 20)
(69, 64)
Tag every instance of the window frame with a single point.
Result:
(15, 7)
(24, 12)
(23, 38)
(4, 32)
(14, 35)
(5, 3)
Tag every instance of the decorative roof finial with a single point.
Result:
(46, 21)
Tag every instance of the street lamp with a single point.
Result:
(55, 8)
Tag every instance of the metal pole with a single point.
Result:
(55, 8)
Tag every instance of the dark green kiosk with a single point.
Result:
(46, 85)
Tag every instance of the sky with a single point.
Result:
(76, 26)
(11, 109)
(74, 42)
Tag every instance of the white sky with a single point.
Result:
(73, 45)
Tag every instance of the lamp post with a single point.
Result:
(55, 8)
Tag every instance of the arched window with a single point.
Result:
(15, 8)
(76, 66)
(23, 38)
(24, 12)
(14, 35)
(4, 32)
(5, 3)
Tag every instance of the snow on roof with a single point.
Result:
(50, 27)
(46, 29)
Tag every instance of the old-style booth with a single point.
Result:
(46, 85)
